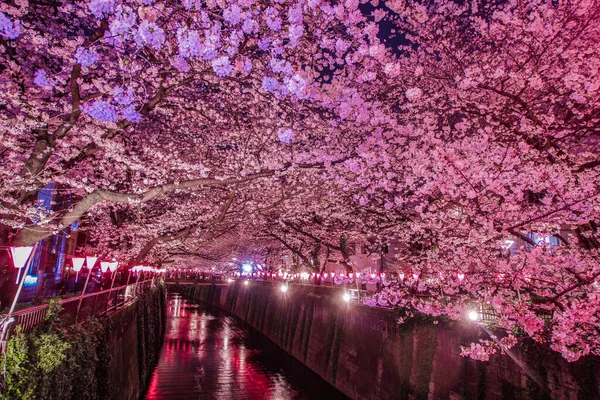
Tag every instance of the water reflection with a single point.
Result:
(208, 354)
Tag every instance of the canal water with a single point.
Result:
(209, 354)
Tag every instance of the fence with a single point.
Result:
(485, 313)
(79, 307)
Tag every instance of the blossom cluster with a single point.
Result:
(8, 28)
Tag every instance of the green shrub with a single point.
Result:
(60, 360)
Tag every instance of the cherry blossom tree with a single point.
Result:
(496, 139)
(204, 129)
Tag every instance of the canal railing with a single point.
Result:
(485, 313)
(78, 307)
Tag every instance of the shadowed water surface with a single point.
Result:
(209, 354)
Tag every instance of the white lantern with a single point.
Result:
(104, 266)
(20, 255)
(77, 265)
(90, 261)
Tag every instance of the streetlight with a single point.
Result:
(20, 255)
(284, 288)
(473, 315)
(346, 297)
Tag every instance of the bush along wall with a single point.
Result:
(61, 360)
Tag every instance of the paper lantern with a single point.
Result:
(78, 263)
(104, 266)
(90, 261)
(20, 255)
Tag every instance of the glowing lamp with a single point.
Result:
(284, 288)
(247, 268)
(78, 263)
(246, 283)
(473, 315)
(346, 297)
(104, 266)
(20, 255)
(90, 261)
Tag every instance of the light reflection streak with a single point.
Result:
(214, 356)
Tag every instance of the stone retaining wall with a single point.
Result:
(364, 353)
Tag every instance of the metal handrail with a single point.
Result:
(110, 299)
(487, 314)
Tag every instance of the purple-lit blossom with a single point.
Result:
(179, 63)
(101, 110)
(122, 97)
(270, 84)
(295, 15)
(222, 66)
(272, 18)
(150, 34)
(296, 85)
(188, 4)
(250, 26)
(130, 114)
(102, 8)
(281, 66)
(264, 43)
(189, 43)
(210, 53)
(8, 28)
(86, 57)
(285, 136)
(232, 14)
(248, 66)
(124, 20)
(295, 33)
(40, 78)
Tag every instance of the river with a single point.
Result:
(209, 354)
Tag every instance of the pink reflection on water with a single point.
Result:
(207, 356)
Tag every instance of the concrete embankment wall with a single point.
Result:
(135, 341)
(364, 353)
